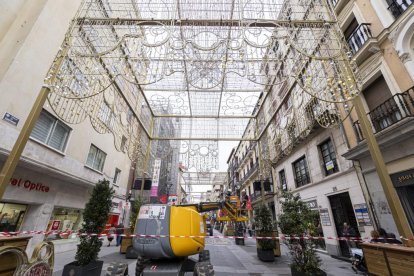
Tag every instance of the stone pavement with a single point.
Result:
(226, 257)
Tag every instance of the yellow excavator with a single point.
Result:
(168, 235)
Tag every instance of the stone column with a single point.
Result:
(36, 218)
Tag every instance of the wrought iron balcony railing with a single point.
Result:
(249, 173)
(398, 7)
(391, 111)
(359, 37)
(334, 2)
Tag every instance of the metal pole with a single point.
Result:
(147, 154)
(15, 154)
(389, 190)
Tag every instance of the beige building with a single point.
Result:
(61, 162)
(314, 160)
(381, 37)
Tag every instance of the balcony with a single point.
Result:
(334, 2)
(398, 7)
(390, 112)
(359, 37)
(249, 173)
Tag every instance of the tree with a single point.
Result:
(297, 221)
(95, 216)
(264, 227)
(135, 206)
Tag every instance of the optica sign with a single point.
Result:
(29, 185)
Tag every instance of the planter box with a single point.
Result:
(239, 241)
(91, 269)
(388, 259)
(301, 273)
(126, 242)
(265, 255)
(131, 253)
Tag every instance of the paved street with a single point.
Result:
(227, 259)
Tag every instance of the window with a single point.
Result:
(329, 157)
(116, 175)
(282, 177)
(96, 158)
(300, 169)
(51, 131)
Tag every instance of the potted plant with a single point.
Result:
(295, 222)
(126, 244)
(264, 228)
(95, 216)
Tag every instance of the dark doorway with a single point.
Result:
(343, 212)
(407, 200)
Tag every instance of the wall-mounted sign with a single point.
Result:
(29, 185)
(404, 178)
(312, 204)
(361, 214)
(10, 119)
(325, 219)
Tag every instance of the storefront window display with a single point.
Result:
(11, 216)
(65, 219)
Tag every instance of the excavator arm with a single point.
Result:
(232, 212)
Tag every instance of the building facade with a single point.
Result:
(381, 34)
(61, 163)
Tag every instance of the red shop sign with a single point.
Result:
(29, 185)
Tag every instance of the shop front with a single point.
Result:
(36, 201)
(11, 216)
(404, 184)
(66, 220)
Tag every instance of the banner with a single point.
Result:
(155, 178)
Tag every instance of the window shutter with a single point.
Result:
(58, 138)
(42, 128)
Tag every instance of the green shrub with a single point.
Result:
(95, 216)
(264, 227)
(297, 220)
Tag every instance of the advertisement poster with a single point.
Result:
(55, 225)
(155, 178)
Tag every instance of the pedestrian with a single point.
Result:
(249, 228)
(111, 232)
(119, 232)
(349, 233)
(375, 237)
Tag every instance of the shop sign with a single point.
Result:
(404, 178)
(361, 214)
(312, 204)
(29, 185)
(155, 178)
(325, 219)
